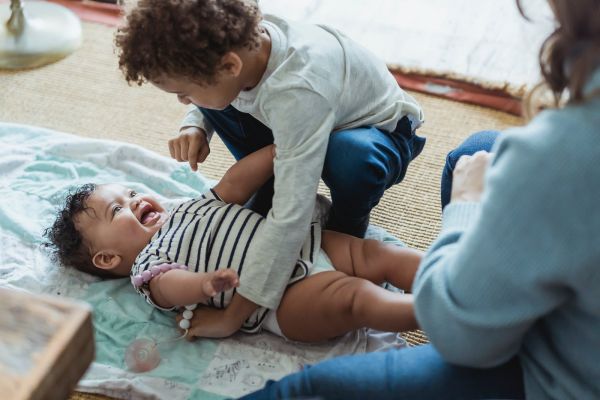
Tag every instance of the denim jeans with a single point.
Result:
(413, 373)
(360, 164)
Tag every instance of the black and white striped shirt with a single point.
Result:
(207, 234)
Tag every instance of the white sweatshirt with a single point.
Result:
(317, 81)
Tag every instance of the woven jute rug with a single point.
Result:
(86, 95)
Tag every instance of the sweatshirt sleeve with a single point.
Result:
(495, 267)
(194, 117)
(304, 120)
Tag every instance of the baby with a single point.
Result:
(195, 253)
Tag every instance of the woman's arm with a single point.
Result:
(496, 267)
(246, 176)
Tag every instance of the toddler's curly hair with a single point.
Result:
(184, 38)
(63, 239)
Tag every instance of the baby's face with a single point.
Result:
(119, 222)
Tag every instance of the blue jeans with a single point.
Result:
(360, 163)
(414, 373)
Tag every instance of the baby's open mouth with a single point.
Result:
(148, 215)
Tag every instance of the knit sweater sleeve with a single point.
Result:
(496, 266)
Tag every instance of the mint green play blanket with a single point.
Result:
(37, 167)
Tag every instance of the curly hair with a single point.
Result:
(571, 53)
(184, 38)
(64, 240)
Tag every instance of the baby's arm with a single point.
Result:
(246, 176)
(177, 287)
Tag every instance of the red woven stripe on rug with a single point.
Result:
(94, 11)
(460, 91)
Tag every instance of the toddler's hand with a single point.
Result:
(191, 145)
(220, 281)
(468, 176)
(209, 323)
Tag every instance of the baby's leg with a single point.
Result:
(330, 304)
(371, 259)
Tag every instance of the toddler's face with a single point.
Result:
(215, 97)
(119, 223)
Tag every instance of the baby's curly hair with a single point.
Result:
(64, 240)
(184, 38)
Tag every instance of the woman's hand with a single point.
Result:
(468, 177)
(191, 145)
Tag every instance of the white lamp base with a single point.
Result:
(36, 33)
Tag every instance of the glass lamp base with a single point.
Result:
(42, 34)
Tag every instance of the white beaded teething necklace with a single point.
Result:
(142, 354)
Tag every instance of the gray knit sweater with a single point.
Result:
(519, 273)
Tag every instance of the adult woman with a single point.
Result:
(508, 293)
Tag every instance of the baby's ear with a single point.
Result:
(106, 260)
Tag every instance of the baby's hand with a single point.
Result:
(220, 281)
(191, 145)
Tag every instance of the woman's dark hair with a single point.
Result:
(184, 38)
(571, 53)
(64, 240)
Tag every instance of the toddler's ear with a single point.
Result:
(232, 64)
(106, 260)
